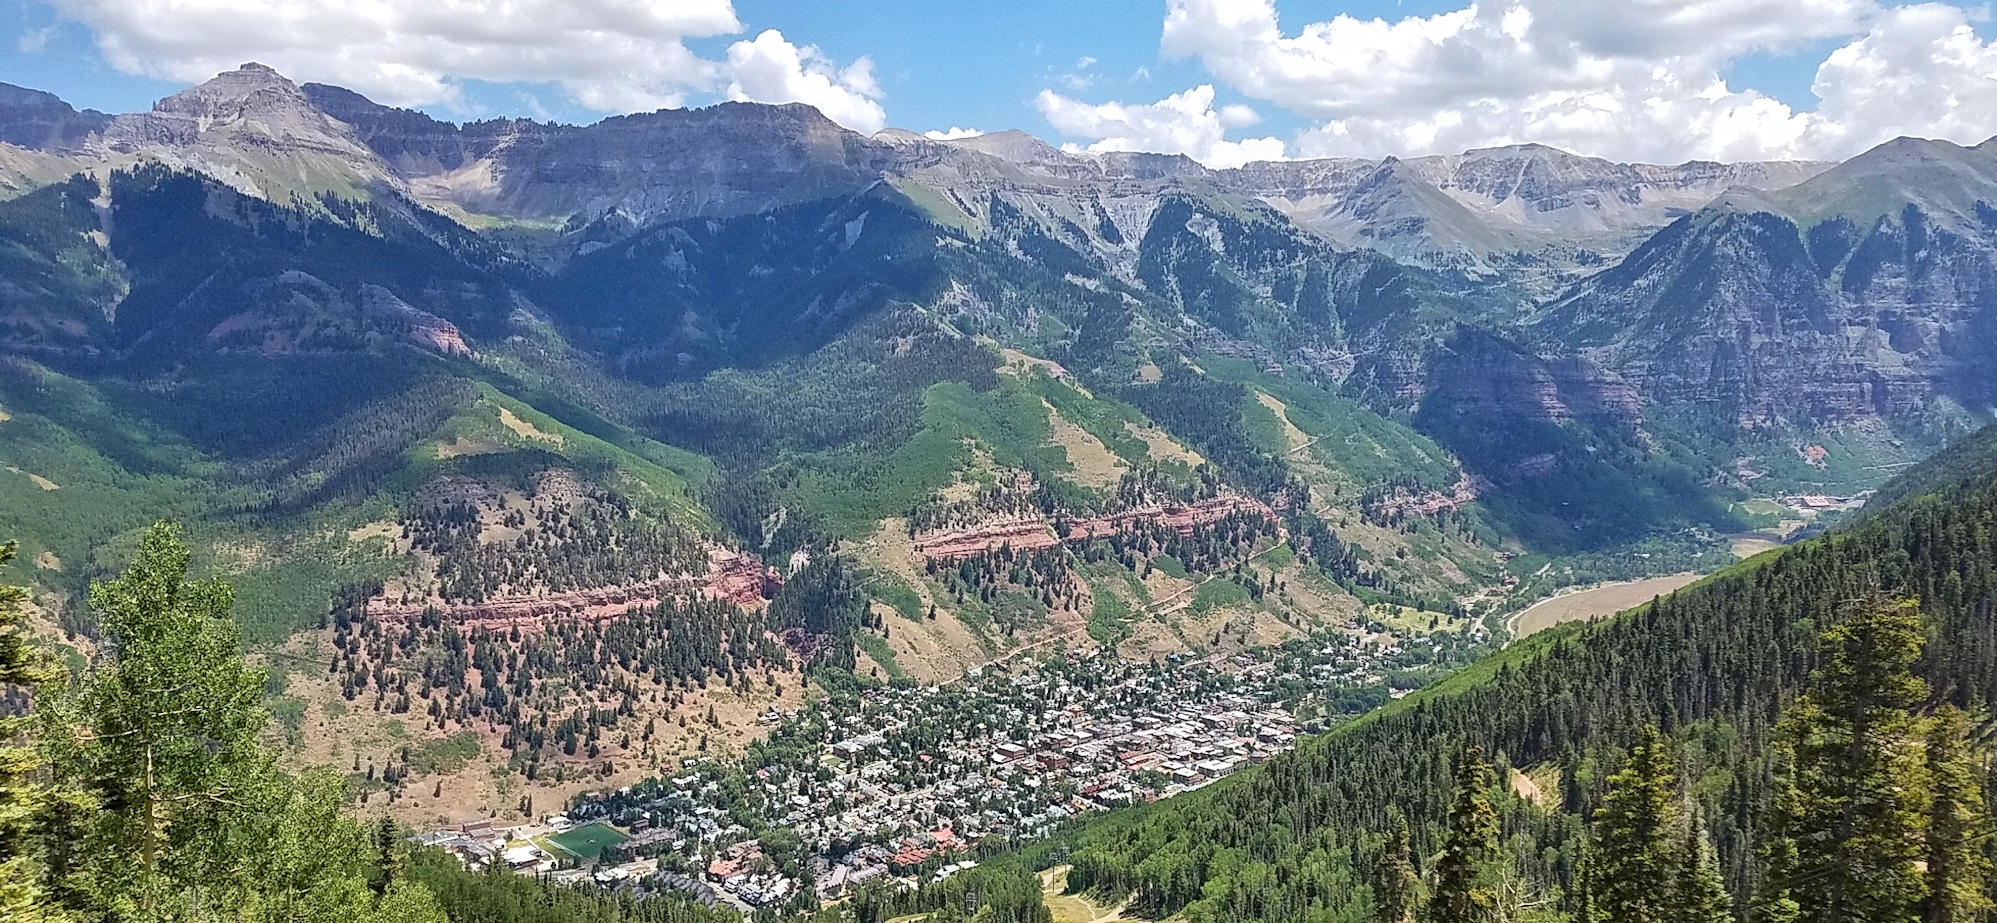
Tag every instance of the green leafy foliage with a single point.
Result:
(163, 806)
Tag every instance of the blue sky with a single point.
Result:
(974, 64)
(1221, 80)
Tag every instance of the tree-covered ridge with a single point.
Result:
(1966, 465)
(1713, 665)
(560, 534)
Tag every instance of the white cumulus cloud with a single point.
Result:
(1182, 123)
(1633, 79)
(605, 55)
(772, 70)
(953, 133)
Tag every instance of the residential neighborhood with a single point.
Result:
(903, 783)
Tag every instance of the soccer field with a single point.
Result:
(587, 841)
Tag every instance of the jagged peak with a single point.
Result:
(250, 92)
(14, 95)
(898, 136)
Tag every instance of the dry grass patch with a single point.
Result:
(1163, 447)
(1296, 438)
(1076, 908)
(1607, 599)
(41, 482)
(1095, 465)
(335, 731)
(380, 529)
(461, 446)
(526, 430)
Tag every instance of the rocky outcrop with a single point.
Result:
(1032, 533)
(1827, 295)
(733, 576)
(1464, 212)
(41, 121)
(255, 130)
(1479, 375)
(1874, 296)
(724, 160)
(1403, 505)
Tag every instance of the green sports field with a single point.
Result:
(587, 841)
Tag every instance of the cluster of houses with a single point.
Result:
(905, 783)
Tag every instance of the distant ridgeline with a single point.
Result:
(1713, 666)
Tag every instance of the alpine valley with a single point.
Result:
(544, 458)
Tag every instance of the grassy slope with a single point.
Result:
(276, 526)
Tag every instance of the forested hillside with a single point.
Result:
(1713, 666)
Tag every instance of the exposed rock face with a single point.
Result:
(1466, 211)
(1526, 210)
(1479, 375)
(412, 143)
(1825, 295)
(733, 576)
(1833, 306)
(1398, 506)
(256, 131)
(730, 159)
(1033, 533)
(41, 121)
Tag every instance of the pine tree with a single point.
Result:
(1860, 773)
(1957, 867)
(1773, 900)
(1699, 893)
(1634, 862)
(1581, 900)
(388, 853)
(22, 797)
(1394, 894)
(1465, 873)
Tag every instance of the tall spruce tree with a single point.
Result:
(1699, 894)
(1395, 891)
(1957, 870)
(1860, 772)
(22, 796)
(1581, 898)
(1634, 860)
(1465, 875)
(1773, 898)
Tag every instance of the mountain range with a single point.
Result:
(1570, 246)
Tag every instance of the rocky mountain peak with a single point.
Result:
(1144, 165)
(1950, 183)
(253, 95)
(255, 130)
(1015, 146)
